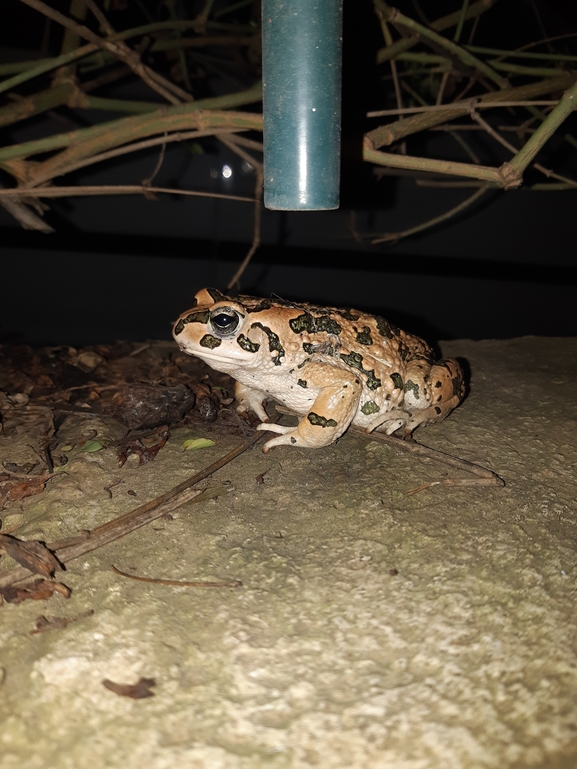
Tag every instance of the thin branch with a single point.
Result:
(462, 17)
(177, 582)
(27, 219)
(232, 143)
(441, 92)
(180, 52)
(546, 171)
(431, 37)
(119, 49)
(393, 237)
(484, 476)
(393, 63)
(459, 107)
(148, 181)
(520, 53)
(27, 70)
(445, 22)
(108, 189)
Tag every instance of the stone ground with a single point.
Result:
(374, 628)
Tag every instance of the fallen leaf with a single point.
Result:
(137, 691)
(39, 590)
(45, 624)
(23, 489)
(32, 554)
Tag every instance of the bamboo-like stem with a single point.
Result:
(427, 34)
(483, 173)
(131, 124)
(46, 65)
(115, 105)
(544, 132)
(109, 189)
(145, 125)
(37, 103)
(126, 149)
(387, 134)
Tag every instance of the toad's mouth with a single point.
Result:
(211, 356)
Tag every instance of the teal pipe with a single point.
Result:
(301, 60)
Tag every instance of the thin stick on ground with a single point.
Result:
(177, 582)
(118, 527)
(484, 477)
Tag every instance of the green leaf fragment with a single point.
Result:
(197, 443)
(93, 445)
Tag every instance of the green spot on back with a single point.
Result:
(364, 336)
(302, 323)
(386, 329)
(370, 407)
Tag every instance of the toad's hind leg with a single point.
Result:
(446, 389)
(335, 405)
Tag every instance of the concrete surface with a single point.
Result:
(375, 628)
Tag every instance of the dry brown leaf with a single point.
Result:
(22, 489)
(45, 624)
(137, 691)
(39, 590)
(32, 554)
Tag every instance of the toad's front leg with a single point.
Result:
(336, 404)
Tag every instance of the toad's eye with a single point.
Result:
(224, 321)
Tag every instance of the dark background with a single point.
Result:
(125, 267)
